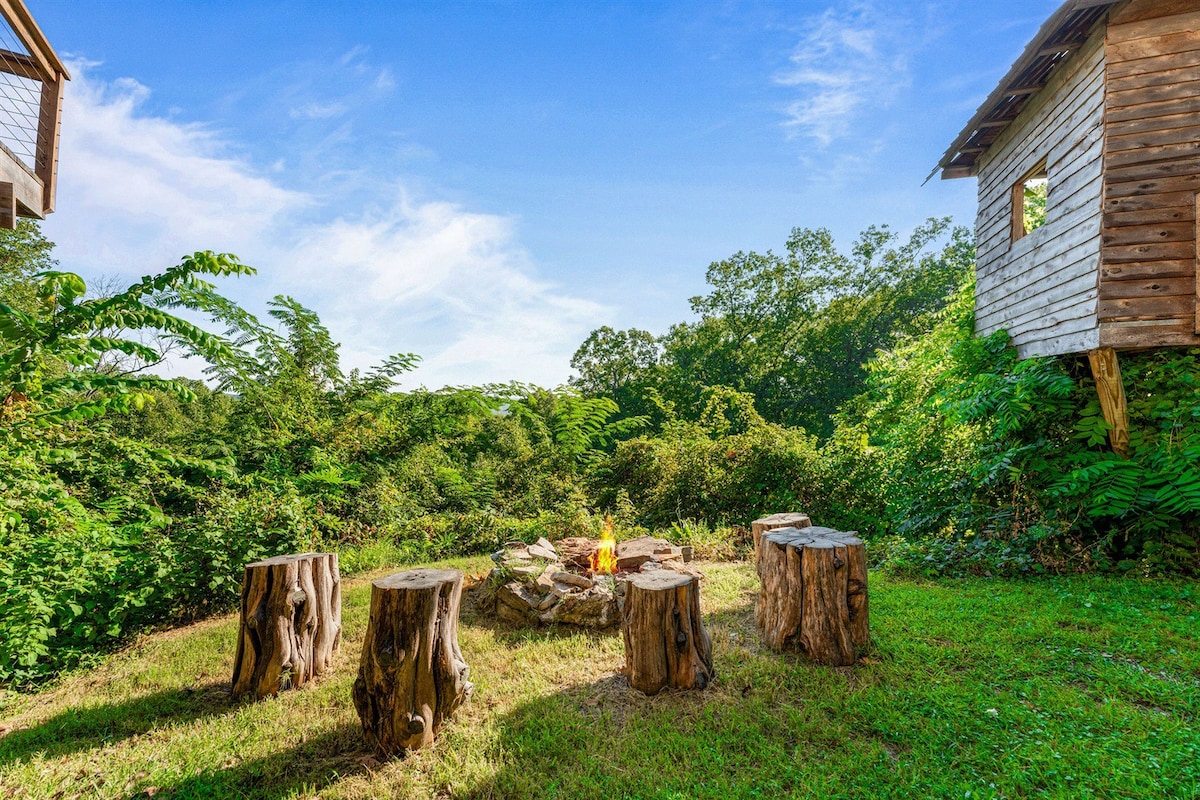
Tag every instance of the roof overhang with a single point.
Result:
(1056, 41)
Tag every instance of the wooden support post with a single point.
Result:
(666, 644)
(49, 126)
(291, 622)
(412, 676)
(8, 206)
(1196, 236)
(814, 593)
(771, 523)
(1107, 373)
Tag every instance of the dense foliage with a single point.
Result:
(849, 385)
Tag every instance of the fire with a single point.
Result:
(604, 560)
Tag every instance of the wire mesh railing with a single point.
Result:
(20, 99)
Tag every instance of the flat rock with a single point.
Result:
(577, 551)
(633, 553)
(571, 579)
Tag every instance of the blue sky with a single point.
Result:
(484, 183)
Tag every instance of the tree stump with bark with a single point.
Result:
(814, 593)
(412, 676)
(774, 522)
(666, 644)
(291, 623)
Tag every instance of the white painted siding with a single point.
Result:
(1043, 288)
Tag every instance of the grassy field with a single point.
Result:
(1066, 688)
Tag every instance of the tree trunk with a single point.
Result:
(291, 622)
(814, 593)
(774, 522)
(665, 640)
(412, 676)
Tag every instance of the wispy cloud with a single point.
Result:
(852, 59)
(137, 191)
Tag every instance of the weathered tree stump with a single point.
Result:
(412, 676)
(814, 593)
(774, 522)
(665, 640)
(291, 622)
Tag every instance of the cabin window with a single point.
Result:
(1029, 202)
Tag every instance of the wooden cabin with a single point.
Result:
(31, 91)
(1099, 119)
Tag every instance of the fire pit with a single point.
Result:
(576, 581)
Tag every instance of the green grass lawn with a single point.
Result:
(1067, 688)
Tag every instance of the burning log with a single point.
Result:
(291, 623)
(666, 644)
(774, 522)
(814, 593)
(412, 676)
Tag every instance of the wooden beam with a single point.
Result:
(1111, 390)
(1197, 314)
(8, 207)
(1064, 47)
(21, 65)
(24, 27)
(49, 124)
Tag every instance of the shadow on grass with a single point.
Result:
(94, 726)
(300, 770)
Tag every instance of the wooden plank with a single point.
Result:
(1037, 295)
(20, 65)
(1167, 76)
(1152, 155)
(1154, 137)
(1148, 234)
(1137, 308)
(1168, 44)
(1149, 203)
(1152, 216)
(1185, 22)
(1158, 333)
(1151, 125)
(1143, 270)
(1147, 252)
(8, 206)
(1196, 285)
(1188, 168)
(1148, 9)
(1118, 70)
(1150, 287)
(1164, 108)
(1142, 93)
(1146, 189)
(49, 126)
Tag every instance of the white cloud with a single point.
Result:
(136, 191)
(851, 61)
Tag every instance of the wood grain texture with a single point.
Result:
(1106, 371)
(666, 643)
(773, 522)
(1152, 172)
(291, 623)
(814, 596)
(411, 676)
(1042, 287)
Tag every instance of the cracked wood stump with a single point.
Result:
(291, 623)
(786, 519)
(412, 676)
(814, 593)
(666, 644)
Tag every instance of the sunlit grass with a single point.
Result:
(1061, 688)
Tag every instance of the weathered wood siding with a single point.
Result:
(1148, 275)
(1043, 287)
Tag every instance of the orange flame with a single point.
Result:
(604, 560)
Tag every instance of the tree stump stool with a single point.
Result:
(774, 522)
(665, 640)
(291, 622)
(412, 676)
(814, 593)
